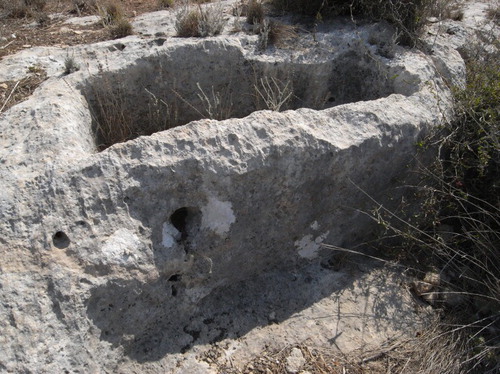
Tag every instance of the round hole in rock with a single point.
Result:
(60, 240)
(218, 81)
(186, 221)
(175, 278)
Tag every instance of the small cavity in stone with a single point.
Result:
(187, 221)
(60, 240)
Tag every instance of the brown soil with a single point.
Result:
(46, 27)
(12, 92)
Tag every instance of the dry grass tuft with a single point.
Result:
(187, 23)
(493, 13)
(316, 361)
(254, 12)
(280, 33)
(275, 33)
(162, 4)
(457, 230)
(21, 8)
(82, 7)
(113, 17)
(110, 12)
(407, 16)
(121, 29)
(200, 22)
(12, 93)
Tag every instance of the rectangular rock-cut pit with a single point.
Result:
(218, 82)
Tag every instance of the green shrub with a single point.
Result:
(468, 200)
(457, 230)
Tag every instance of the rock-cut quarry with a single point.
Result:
(200, 242)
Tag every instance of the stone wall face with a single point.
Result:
(118, 255)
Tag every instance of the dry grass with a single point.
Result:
(273, 94)
(114, 118)
(187, 23)
(162, 4)
(120, 29)
(111, 12)
(457, 230)
(21, 8)
(275, 33)
(281, 33)
(316, 361)
(254, 12)
(200, 22)
(212, 20)
(432, 351)
(409, 16)
(493, 13)
(12, 93)
(113, 18)
(82, 7)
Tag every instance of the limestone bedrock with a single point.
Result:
(207, 237)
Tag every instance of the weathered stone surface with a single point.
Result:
(295, 361)
(155, 252)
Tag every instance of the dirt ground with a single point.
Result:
(43, 24)
(45, 27)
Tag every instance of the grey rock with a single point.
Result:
(295, 361)
(150, 254)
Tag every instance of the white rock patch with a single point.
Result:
(217, 216)
(169, 235)
(121, 248)
(309, 247)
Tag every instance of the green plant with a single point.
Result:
(457, 229)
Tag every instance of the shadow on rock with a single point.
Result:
(150, 320)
